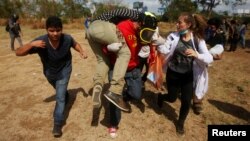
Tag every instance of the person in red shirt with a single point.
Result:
(103, 32)
(133, 86)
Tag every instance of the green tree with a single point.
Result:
(177, 6)
(107, 6)
(8, 7)
(209, 5)
(5, 8)
(46, 8)
(74, 8)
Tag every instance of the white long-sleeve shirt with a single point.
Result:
(200, 63)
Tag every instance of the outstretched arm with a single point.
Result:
(22, 51)
(79, 49)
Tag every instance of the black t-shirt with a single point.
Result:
(215, 39)
(55, 60)
(180, 62)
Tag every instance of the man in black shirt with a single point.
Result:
(216, 40)
(14, 31)
(53, 49)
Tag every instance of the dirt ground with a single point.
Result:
(27, 100)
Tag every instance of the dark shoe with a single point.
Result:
(57, 131)
(127, 97)
(160, 100)
(197, 108)
(96, 95)
(117, 100)
(180, 128)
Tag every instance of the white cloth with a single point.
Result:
(216, 50)
(144, 52)
(157, 39)
(200, 64)
(114, 47)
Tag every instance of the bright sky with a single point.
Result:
(238, 9)
(153, 6)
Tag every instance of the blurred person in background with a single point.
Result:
(216, 40)
(242, 31)
(14, 30)
(233, 35)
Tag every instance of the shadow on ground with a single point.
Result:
(231, 109)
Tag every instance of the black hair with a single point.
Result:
(15, 17)
(53, 21)
(214, 21)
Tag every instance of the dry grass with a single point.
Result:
(40, 24)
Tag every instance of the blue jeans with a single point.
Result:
(60, 83)
(133, 89)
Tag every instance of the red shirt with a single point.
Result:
(130, 35)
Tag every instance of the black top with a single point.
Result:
(215, 39)
(14, 27)
(55, 60)
(180, 62)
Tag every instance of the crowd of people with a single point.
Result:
(122, 41)
(226, 33)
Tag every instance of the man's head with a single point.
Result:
(148, 24)
(148, 20)
(214, 23)
(54, 21)
(54, 28)
(15, 17)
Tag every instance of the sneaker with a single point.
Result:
(112, 132)
(117, 100)
(96, 95)
(57, 130)
(160, 100)
(180, 128)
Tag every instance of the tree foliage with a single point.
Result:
(209, 5)
(206, 6)
(8, 7)
(107, 5)
(43, 8)
(175, 7)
